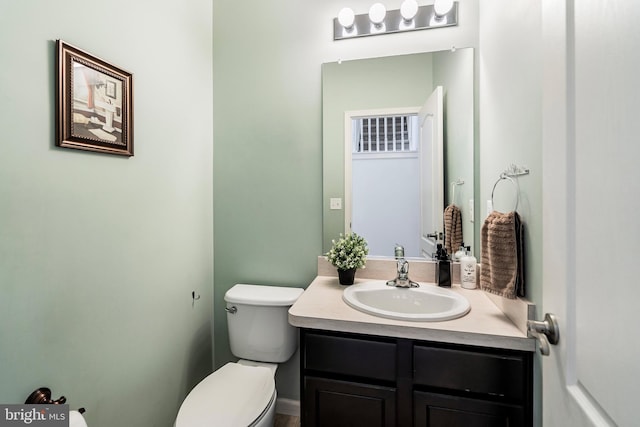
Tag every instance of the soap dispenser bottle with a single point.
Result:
(460, 253)
(468, 265)
(443, 272)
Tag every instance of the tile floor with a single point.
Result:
(286, 421)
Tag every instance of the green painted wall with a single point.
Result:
(267, 167)
(99, 254)
(511, 128)
(511, 121)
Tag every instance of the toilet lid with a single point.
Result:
(262, 295)
(234, 395)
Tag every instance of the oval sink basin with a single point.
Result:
(427, 303)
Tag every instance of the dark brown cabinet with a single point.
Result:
(361, 380)
(343, 404)
(433, 409)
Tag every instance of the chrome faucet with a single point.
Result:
(402, 279)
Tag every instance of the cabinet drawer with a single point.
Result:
(350, 356)
(502, 375)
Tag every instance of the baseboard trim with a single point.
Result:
(288, 407)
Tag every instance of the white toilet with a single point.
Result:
(243, 394)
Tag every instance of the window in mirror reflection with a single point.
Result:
(385, 190)
(385, 134)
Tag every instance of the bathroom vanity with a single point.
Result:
(358, 369)
(353, 379)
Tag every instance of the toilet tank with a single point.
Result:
(258, 326)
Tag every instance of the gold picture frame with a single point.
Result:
(94, 103)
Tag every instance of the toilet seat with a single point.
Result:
(234, 395)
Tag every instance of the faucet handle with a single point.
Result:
(403, 268)
(399, 251)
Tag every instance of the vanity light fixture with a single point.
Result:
(377, 13)
(408, 10)
(442, 7)
(440, 10)
(346, 18)
(410, 16)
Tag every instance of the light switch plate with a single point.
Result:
(335, 203)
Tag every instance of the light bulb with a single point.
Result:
(442, 7)
(408, 9)
(346, 17)
(377, 13)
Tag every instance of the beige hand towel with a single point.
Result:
(502, 270)
(452, 229)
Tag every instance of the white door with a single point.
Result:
(432, 173)
(591, 206)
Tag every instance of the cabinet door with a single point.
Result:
(437, 410)
(331, 403)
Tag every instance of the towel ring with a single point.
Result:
(503, 177)
(454, 184)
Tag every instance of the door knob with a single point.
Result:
(436, 235)
(545, 331)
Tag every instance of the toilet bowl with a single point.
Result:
(234, 395)
(243, 393)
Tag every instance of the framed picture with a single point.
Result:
(111, 89)
(94, 103)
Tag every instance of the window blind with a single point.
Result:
(385, 134)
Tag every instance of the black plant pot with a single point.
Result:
(346, 277)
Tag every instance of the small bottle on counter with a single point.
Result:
(443, 273)
(468, 265)
(462, 251)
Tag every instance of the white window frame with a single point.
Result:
(349, 116)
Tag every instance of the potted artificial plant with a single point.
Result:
(348, 254)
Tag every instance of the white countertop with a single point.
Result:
(321, 307)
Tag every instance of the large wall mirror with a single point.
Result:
(387, 187)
